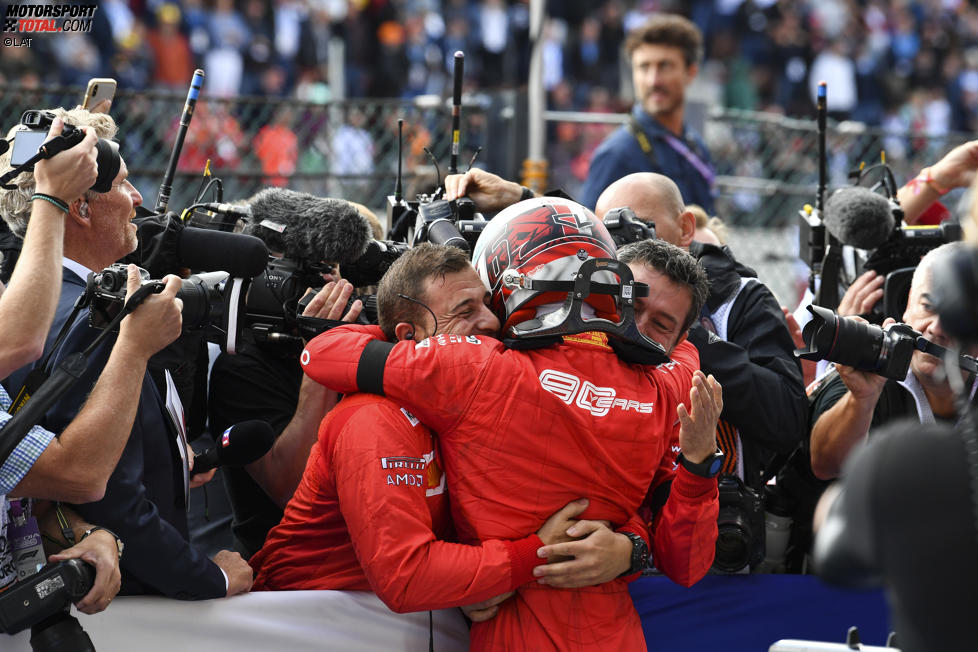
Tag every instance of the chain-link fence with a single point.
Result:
(340, 149)
(766, 165)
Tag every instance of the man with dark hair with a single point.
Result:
(665, 55)
(740, 334)
(524, 431)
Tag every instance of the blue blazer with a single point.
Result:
(144, 501)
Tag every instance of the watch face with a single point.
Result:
(716, 464)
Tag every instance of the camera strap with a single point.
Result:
(33, 408)
(40, 373)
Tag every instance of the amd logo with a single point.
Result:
(588, 396)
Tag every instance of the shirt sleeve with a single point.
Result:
(24, 456)
(386, 510)
(436, 379)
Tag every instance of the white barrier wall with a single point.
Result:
(348, 621)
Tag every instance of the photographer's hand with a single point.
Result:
(155, 323)
(331, 300)
(489, 191)
(698, 425)
(98, 549)
(841, 427)
(69, 174)
(864, 293)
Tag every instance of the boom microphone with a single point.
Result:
(859, 217)
(241, 444)
(308, 228)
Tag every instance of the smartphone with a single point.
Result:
(99, 89)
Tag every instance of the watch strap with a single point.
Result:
(640, 554)
(708, 468)
(118, 542)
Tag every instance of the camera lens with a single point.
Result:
(844, 341)
(61, 631)
(733, 549)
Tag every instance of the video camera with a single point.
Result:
(42, 602)
(29, 147)
(869, 219)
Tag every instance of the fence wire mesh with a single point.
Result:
(766, 165)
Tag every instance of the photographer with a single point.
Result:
(265, 381)
(850, 402)
(145, 497)
(76, 464)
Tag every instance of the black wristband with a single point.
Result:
(526, 194)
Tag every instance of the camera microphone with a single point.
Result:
(227, 209)
(859, 217)
(308, 228)
(241, 444)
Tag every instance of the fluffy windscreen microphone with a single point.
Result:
(308, 228)
(859, 217)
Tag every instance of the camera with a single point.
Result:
(883, 351)
(34, 127)
(740, 526)
(42, 602)
(212, 301)
(625, 227)
(897, 258)
(369, 268)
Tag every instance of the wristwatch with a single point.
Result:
(640, 554)
(118, 542)
(708, 468)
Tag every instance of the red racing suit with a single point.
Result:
(368, 513)
(522, 433)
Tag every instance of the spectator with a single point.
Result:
(277, 147)
(528, 415)
(665, 55)
(144, 500)
(851, 401)
(171, 49)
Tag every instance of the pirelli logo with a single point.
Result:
(414, 463)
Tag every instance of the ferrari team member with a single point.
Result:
(601, 426)
(373, 491)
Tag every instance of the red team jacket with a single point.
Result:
(368, 515)
(524, 433)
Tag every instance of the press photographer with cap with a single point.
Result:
(144, 499)
(75, 464)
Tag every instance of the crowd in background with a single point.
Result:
(906, 64)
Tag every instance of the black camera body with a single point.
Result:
(47, 593)
(740, 526)
(369, 268)
(883, 351)
(212, 301)
(456, 222)
(625, 227)
(897, 258)
(31, 137)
